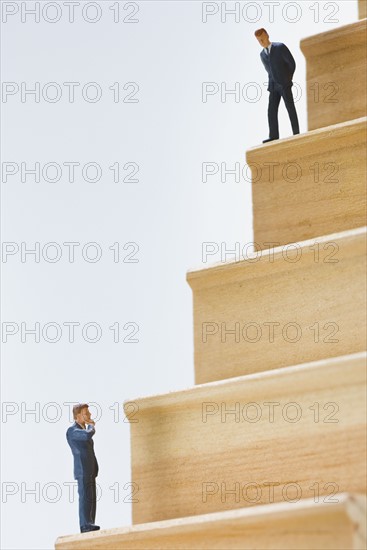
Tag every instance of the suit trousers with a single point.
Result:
(276, 93)
(87, 501)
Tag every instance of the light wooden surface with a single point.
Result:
(280, 312)
(253, 462)
(336, 75)
(305, 525)
(186, 452)
(318, 185)
(362, 8)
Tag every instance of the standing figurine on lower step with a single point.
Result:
(280, 66)
(79, 437)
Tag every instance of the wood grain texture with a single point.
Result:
(233, 464)
(309, 185)
(362, 9)
(304, 525)
(267, 312)
(190, 456)
(336, 75)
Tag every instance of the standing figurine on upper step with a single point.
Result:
(280, 66)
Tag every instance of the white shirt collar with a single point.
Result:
(269, 48)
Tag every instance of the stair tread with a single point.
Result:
(219, 388)
(308, 137)
(350, 508)
(328, 40)
(202, 271)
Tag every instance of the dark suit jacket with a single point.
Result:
(82, 447)
(279, 64)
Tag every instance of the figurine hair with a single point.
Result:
(260, 31)
(78, 408)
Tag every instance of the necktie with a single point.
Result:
(267, 50)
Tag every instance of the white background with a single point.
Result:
(169, 213)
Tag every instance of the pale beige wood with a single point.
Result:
(317, 184)
(336, 67)
(362, 9)
(305, 525)
(280, 312)
(176, 453)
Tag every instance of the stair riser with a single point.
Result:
(310, 188)
(362, 8)
(252, 317)
(336, 75)
(184, 465)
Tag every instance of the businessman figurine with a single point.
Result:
(280, 66)
(79, 437)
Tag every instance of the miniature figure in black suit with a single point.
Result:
(280, 66)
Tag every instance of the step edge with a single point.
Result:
(355, 125)
(167, 399)
(216, 267)
(309, 42)
(251, 514)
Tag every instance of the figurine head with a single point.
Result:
(81, 414)
(262, 37)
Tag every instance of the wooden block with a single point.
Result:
(309, 185)
(305, 525)
(289, 305)
(362, 9)
(293, 433)
(336, 75)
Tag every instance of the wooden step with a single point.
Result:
(362, 9)
(285, 306)
(294, 431)
(336, 75)
(309, 185)
(305, 525)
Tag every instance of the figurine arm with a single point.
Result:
(266, 65)
(83, 435)
(289, 59)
